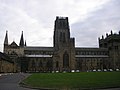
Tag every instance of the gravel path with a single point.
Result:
(11, 81)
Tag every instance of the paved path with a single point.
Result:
(110, 89)
(11, 81)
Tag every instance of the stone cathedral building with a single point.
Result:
(64, 56)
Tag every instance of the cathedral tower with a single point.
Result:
(64, 48)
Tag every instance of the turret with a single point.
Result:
(25, 43)
(102, 37)
(21, 44)
(107, 35)
(111, 32)
(119, 32)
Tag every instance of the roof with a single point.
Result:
(13, 44)
(90, 49)
(47, 56)
(91, 56)
(38, 48)
(5, 57)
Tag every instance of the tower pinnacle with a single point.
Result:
(6, 38)
(21, 44)
(25, 43)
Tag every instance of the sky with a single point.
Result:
(88, 20)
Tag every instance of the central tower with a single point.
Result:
(64, 46)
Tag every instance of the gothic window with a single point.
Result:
(40, 64)
(62, 23)
(57, 64)
(60, 36)
(49, 64)
(79, 64)
(63, 37)
(65, 60)
(33, 63)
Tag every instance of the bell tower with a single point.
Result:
(64, 46)
(61, 32)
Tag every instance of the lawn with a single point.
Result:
(74, 80)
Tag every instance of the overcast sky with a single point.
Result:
(88, 19)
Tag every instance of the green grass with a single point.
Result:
(74, 80)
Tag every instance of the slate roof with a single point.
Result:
(39, 48)
(5, 57)
(46, 56)
(90, 49)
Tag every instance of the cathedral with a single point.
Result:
(64, 56)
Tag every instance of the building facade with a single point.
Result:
(64, 56)
(6, 65)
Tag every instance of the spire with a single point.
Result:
(6, 38)
(21, 40)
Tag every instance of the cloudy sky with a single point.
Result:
(88, 19)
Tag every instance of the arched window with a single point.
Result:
(60, 36)
(65, 60)
(57, 64)
(33, 63)
(64, 37)
(49, 64)
(40, 64)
